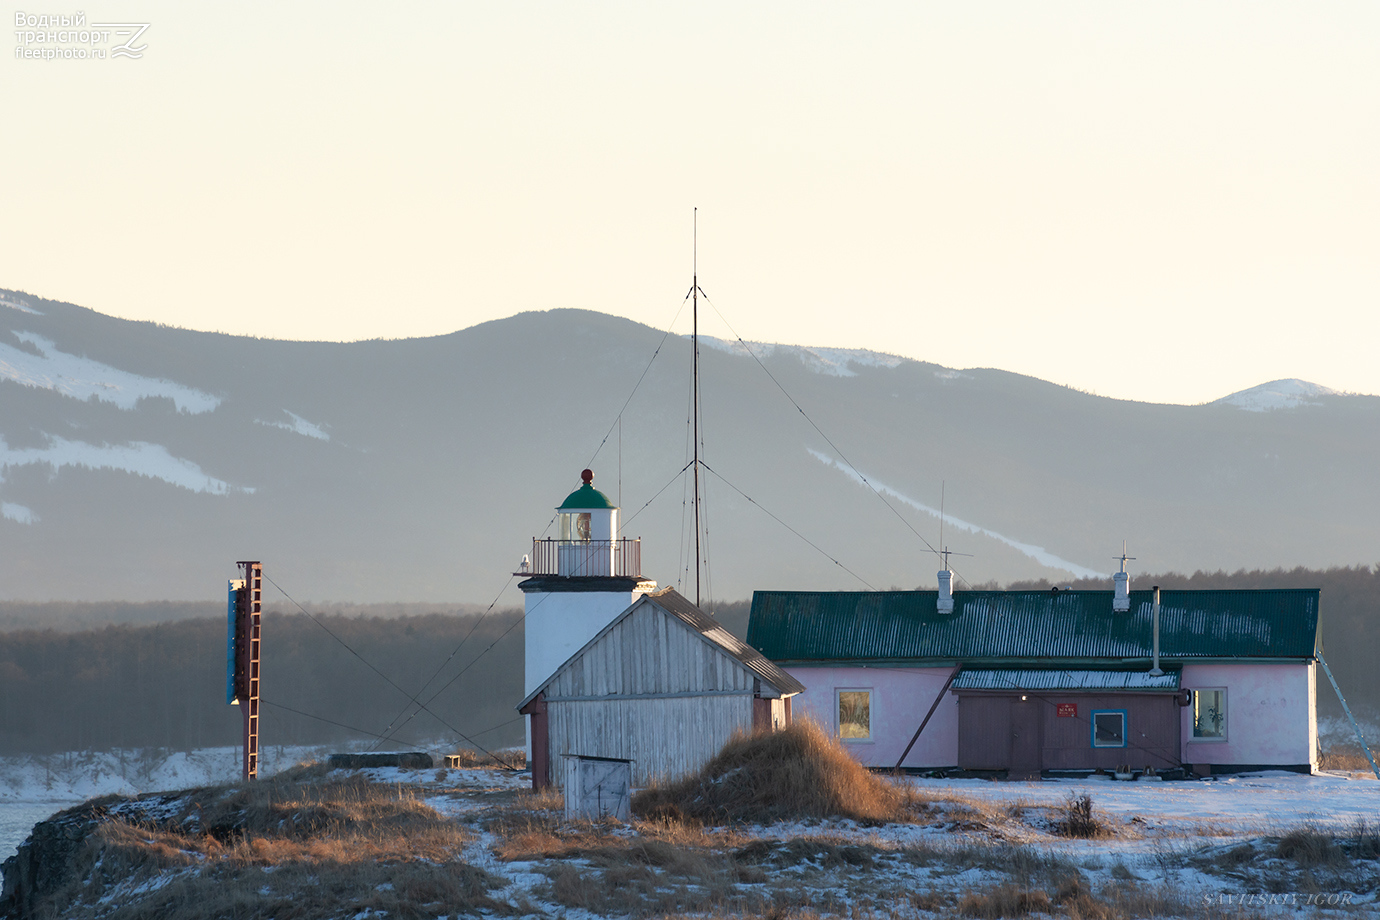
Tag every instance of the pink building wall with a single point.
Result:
(1271, 714)
(900, 699)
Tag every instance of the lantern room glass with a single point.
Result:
(575, 525)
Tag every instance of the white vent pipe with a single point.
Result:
(1121, 600)
(945, 603)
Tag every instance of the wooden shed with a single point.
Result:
(664, 685)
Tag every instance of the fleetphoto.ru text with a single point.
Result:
(69, 37)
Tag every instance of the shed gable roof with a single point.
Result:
(1067, 625)
(673, 604)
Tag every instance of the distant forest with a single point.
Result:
(163, 685)
(155, 677)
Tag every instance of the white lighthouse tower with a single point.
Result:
(577, 583)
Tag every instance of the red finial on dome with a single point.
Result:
(587, 477)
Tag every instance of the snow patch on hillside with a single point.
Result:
(1038, 553)
(834, 362)
(298, 425)
(18, 513)
(18, 305)
(81, 378)
(80, 775)
(139, 457)
(1277, 394)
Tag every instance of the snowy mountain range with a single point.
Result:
(140, 462)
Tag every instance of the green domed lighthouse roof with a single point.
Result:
(586, 497)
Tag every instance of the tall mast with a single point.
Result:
(695, 405)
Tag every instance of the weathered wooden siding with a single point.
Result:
(988, 731)
(1152, 733)
(650, 690)
(984, 732)
(649, 652)
(664, 738)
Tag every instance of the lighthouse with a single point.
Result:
(576, 584)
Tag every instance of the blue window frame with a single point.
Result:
(1109, 728)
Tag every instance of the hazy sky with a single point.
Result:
(1160, 201)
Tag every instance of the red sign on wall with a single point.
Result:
(1068, 710)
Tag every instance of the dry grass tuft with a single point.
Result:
(798, 772)
(253, 850)
(1074, 899)
(1310, 848)
(513, 759)
(533, 835)
(1080, 820)
(1004, 901)
(1344, 755)
(1365, 840)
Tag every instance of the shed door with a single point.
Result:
(1025, 739)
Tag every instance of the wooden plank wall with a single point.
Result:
(702, 695)
(985, 724)
(650, 652)
(664, 738)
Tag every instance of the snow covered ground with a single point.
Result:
(81, 378)
(1277, 394)
(33, 787)
(1038, 553)
(298, 425)
(18, 305)
(1204, 842)
(834, 362)
(138, 457)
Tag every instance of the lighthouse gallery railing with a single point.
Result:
(620, 558)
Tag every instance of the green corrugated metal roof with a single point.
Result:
(1068, 625)
(1063, 679)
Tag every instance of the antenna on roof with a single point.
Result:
(695, 388)
(945, 601)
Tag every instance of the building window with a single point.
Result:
(1109, 728)
(855, 715)
(1210, 714)
(575, 525)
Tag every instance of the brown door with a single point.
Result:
(1025, 739)
(984, 732)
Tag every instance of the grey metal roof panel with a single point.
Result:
(905, 625)
(1062, 679)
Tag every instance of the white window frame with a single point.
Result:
(838, 723)
(1193, 715)
(1125, 731)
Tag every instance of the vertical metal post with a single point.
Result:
(695, 386)
(1155, 668)
(252, 600)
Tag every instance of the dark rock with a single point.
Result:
(43, 861)
(407, 760)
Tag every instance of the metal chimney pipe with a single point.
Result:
(1155, 670)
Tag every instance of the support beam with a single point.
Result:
(1347, 709)
(933, 706)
